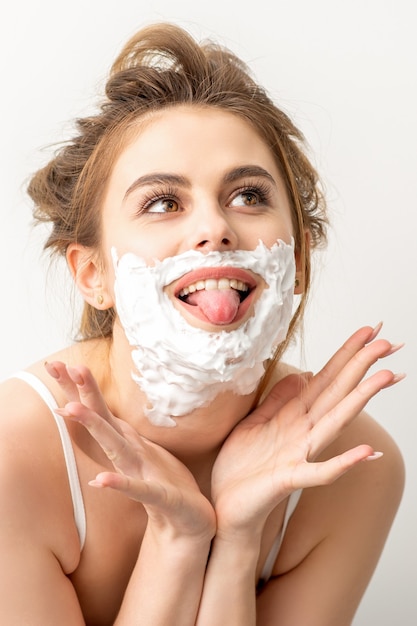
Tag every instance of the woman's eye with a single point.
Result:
(245, 198)
(163, 205)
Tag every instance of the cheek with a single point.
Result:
(276, 229)
(145, 241)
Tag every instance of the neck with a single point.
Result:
(196, 438)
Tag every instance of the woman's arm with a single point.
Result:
(166, 583)
(276, 451)
(33, 587)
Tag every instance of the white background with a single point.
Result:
(346, 72)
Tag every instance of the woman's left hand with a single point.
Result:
(271, 452)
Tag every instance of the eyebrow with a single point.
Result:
(158, 178)
(175, 179)
(248, 171)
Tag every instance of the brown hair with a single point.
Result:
(162, 66)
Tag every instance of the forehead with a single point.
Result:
(194, 139)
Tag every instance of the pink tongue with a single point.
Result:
(219, 306)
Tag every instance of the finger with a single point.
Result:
(124, 456)
(350, 376)
(347, 379)
(352, 346)
(147, 492)
(327, 472)
(90, 394)
(335, 420)
(318, 394)
(58, 371)
(281, 393)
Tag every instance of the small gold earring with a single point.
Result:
(100, 299)
(296, 283)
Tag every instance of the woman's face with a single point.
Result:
(193, 179)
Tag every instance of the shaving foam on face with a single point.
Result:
(180, 367)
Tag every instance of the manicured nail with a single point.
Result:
(373, 456)
(75, 375)
(395, 379)
(95, 483)
(51, 369)
(394, 348)
(375, 331)
(63, 412)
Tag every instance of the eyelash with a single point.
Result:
(260, 189)
(156, 195)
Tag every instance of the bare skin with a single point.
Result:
(200, 500)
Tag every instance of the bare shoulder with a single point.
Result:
(384, 478)
(21, 410)
(373, 488)
(34, 490)
(38, 540)
(337, 534)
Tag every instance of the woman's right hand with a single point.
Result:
(143, 470)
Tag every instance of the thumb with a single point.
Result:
(281, 393)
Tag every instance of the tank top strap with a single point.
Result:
(276, 546)
(70, 462)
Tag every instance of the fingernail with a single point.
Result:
(62, 412)
(375, 331)
(51, 369)
(75, 375)
(394, 348)
(95, 483)
(395, 379)
(373, 456)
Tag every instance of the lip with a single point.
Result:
(217, 273)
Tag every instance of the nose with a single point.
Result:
(212, 231)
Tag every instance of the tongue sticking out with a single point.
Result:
(220, 306)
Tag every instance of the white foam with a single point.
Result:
(181, 367)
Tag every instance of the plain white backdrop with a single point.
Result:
(347, 74)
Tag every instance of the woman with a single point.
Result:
(202, 481)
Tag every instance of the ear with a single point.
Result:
(301, 255)
(88, 275)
